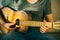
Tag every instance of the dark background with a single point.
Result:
(55, 6)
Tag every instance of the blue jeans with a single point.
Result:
(30, 35)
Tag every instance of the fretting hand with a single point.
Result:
(43, 29)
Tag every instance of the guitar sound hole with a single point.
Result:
(16, 23)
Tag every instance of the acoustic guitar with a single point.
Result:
(22, 18)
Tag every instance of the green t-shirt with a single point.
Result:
(38, 10)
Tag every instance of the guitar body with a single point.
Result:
(12, 16)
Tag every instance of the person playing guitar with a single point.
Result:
(35, 10)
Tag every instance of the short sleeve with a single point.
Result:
(1, 4)
(5, 2)
(47, 8)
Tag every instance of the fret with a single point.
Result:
(55, 25)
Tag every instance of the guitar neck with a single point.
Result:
(55, 25)
(31, 23)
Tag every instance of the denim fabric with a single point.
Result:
(30, 35)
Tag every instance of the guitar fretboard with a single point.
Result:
(55, 25)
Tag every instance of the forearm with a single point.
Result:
(1, 22)
(49, 18)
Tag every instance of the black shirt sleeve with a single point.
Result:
(47, 8)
